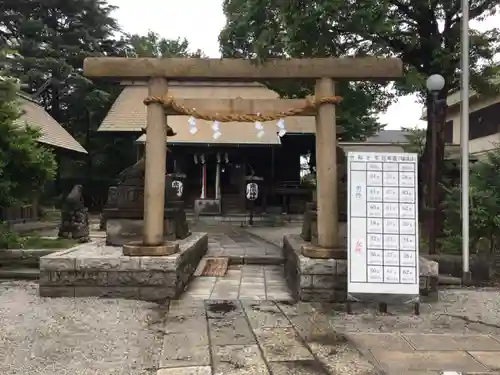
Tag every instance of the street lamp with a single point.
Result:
(435, 83)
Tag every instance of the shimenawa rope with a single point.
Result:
(169, 102)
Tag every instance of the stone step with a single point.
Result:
(19, 273)
(257, 260)
(449, 280)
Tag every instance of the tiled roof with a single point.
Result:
(388, 136)
(52, 133)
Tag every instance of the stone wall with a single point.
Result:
(482, 267)
(313, 279)
(23, 257)
(102, 271)
(326, 279)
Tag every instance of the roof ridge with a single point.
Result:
(27, 97)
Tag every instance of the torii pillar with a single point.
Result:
(155, 166)
(326, 170)
(323, 70)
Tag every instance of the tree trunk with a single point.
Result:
(432, 217)
(89, 160)
(55, 112)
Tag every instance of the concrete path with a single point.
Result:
(415, 353)
(253, 338)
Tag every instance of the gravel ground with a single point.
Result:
(468, 311)
(89, 336)
(85, 336)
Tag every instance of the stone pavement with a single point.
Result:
(460, 333)
(233, 325)
(274, 235)
(427, 353)
(254, 282)
(217, 337)
(258, 280)
(241, 247)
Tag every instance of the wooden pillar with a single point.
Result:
(217, 178)
(203, 180)
(155, 158)
(326, 167)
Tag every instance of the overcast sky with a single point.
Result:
(200, 21)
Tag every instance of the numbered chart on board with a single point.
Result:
(382, 223)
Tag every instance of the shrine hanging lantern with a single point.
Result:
(252, 192)
(179, 187)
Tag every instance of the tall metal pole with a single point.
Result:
(464, 139)
(433, 180)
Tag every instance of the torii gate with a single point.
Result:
(157, 71)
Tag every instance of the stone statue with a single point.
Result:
(309, 225)
(134, 171)
(74, 216)
(124, 211)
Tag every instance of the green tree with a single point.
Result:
(153, 45)
(53, 38)
(261, 29)
(416, 140)
(25, 164)
(484, 192)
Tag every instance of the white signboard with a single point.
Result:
(382, 223)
